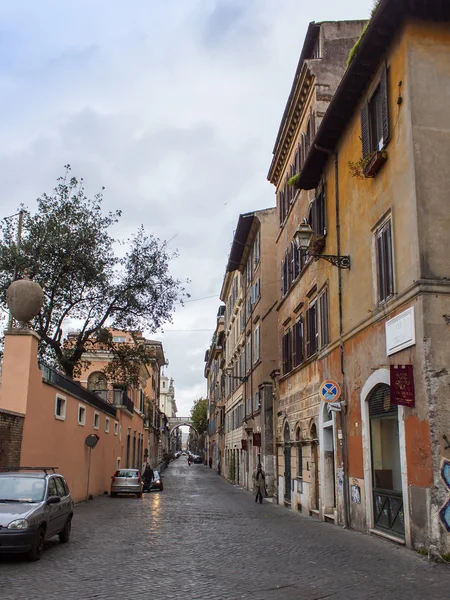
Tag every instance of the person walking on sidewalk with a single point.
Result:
(259, 483)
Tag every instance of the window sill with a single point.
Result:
(294, 283)
(60, 418)
(303, 364)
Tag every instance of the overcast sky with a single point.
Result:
(173, 105)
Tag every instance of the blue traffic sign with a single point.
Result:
(330, 391)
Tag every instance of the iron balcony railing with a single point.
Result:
(122, 399)
(52, 376)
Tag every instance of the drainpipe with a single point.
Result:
(343, 419)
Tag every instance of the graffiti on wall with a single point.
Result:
(444, 513)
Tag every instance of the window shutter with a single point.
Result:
(294, 346)
(384, 104)
(282, 278)
(308, 332)
(303, 149)
(313, 124)
(365, 130)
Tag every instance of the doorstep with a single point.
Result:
(329, 518)
(314, 513)
(388, 536)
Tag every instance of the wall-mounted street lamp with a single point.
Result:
(241, 379)
(302, 238)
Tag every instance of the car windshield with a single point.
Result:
(156, 473)
(21, 489)
(126, 473)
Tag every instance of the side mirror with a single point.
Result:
(53, 500)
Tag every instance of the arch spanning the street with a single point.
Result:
(175, 422)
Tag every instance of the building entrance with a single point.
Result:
(386, 467)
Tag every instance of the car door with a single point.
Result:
(64, 505)
(52, 510)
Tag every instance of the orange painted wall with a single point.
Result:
(418, 452)
(48, 441)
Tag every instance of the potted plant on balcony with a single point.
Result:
(294, 181)
(368, 166)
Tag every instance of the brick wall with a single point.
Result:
(11, 427)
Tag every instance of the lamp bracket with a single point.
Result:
(341, 262)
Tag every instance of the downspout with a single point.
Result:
(343, 442)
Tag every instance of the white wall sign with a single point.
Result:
(400, 332)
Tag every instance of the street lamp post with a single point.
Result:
(302, 238)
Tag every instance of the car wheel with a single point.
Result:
(161, 488)
(64, 535)
(113, 494)
(140, 495)
(37, 548)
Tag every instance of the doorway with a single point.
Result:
(388, 511)
(287, 463)
(328, 462)
(315, 467)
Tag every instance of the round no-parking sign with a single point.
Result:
(330, 391)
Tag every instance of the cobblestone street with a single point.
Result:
(203, 538)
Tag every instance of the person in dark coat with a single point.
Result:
(259, 483)
(210, 462)
(147, 476)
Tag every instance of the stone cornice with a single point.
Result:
(295, 109)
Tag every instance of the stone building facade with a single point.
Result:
(373, 188)
(249, 292)
(305, 475)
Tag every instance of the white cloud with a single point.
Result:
(173, 106)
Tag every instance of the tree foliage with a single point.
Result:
(199, 415)
(67, 247)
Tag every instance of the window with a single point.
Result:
(256, 402)
(287, 351)
(317, 214)
(385, 272)
(249, 270)
(297, 350)
(311, 330)
(256, 349)
(324, 334)
(60, 489)
(375, 118)
(116, 428)
(52, 491)
(242, 362)
(249, 352)
(120, 339)
(107, 420)
(81, 415)
(141, 401)
(255, 292)
(249, 406)
(256, 249)
(119, 460)
(60, 407)
(96, 420)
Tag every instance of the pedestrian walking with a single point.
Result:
(210, 462)
(259, 483)
(147, 477)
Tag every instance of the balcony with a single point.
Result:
(123, 401)
(53, 377)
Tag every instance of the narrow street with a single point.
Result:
(203, 538)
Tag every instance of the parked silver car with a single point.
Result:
(35, 505)
(126, 481)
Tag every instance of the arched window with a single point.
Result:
(97, 382)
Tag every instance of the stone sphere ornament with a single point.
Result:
(25, 299)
